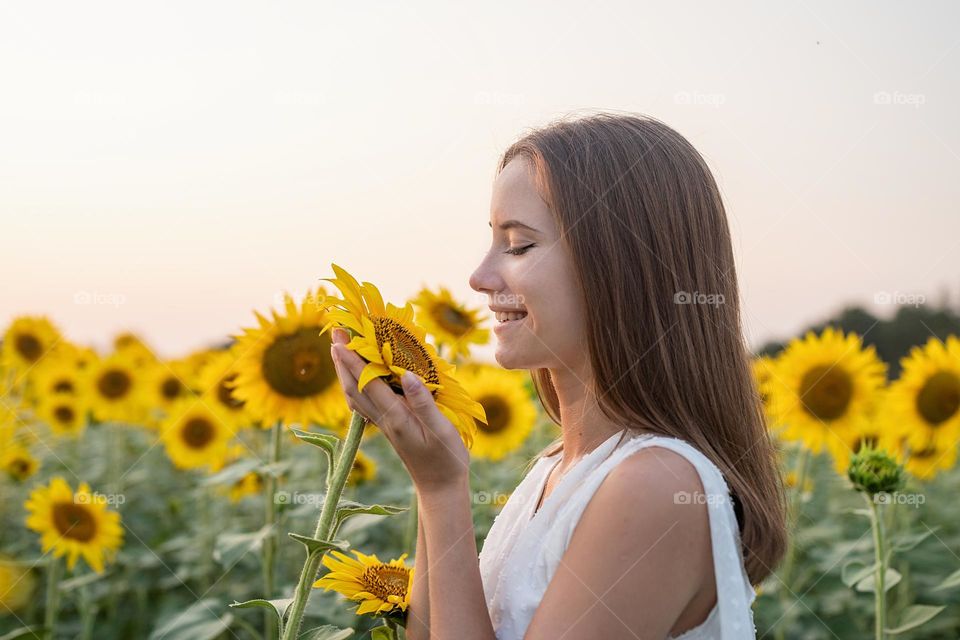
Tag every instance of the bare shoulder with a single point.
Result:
(637, 541)
(655, 483)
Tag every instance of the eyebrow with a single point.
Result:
(510, 224)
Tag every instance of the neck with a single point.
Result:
(582, 422)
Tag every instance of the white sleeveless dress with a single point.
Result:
(522, 549)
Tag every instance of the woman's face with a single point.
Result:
(528, 272)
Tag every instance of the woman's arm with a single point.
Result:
(418, 616)
(458, 608)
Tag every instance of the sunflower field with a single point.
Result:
(231, 493)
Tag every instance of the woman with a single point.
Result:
(612, 277)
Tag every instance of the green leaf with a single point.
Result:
(24, 633)
(951, 581)
(348, 508)
(891, 578)
(231, 546)
(913, 617)
(854, 571)
(327, 442)
(907, 541)
(326, 632)
(382, 633)
(198, 622)
(279, 607)
(320, 546)
(232, 473)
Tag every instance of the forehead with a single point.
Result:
(515, 196)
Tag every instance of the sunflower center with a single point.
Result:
(74, 521)
(20, 467)
(939, 398)
(28, 346)
(298, 365)
(384, 580)
(63, 386)
(114, 384)
(925, 453)
(170, 388)
(198, 433)
(225, 393)
(452, 319)
(826, 392)
(64, 414)
(408, 352)
(498, 414)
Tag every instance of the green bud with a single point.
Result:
(875, 471)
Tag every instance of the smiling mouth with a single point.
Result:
(510, 316)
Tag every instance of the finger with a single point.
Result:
(381, 396)
(355, 399)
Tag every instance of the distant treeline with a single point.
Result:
(910, 326)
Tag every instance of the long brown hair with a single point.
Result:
(642, 217)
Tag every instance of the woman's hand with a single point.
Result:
(428, 444)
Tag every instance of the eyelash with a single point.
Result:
(520, 250)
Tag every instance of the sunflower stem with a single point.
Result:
(270, 542)
(52, 607)
(880, 570)
(324, 527)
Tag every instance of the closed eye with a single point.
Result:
(516, 251)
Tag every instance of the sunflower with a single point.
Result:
(874, 433)
(927, 461)
(132, 346)
(74, 524)
(56, 374)
(16, 585)
(216, 382)
(27, 340)
(165, 384)
(364, 469)
(249, 485)
(449, 322)
(379, 587)
(762, 368)
(507, 404)
(115, 390)
(195, 435)
(823, 385)
(391, 343)
(64, 414)
(925, 400)
(18, 462)
(284, 371)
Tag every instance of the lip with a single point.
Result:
(501, 327)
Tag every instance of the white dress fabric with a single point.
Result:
(523, 548)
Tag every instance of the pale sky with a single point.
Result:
(169, 168)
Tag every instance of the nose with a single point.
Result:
(483, 278)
